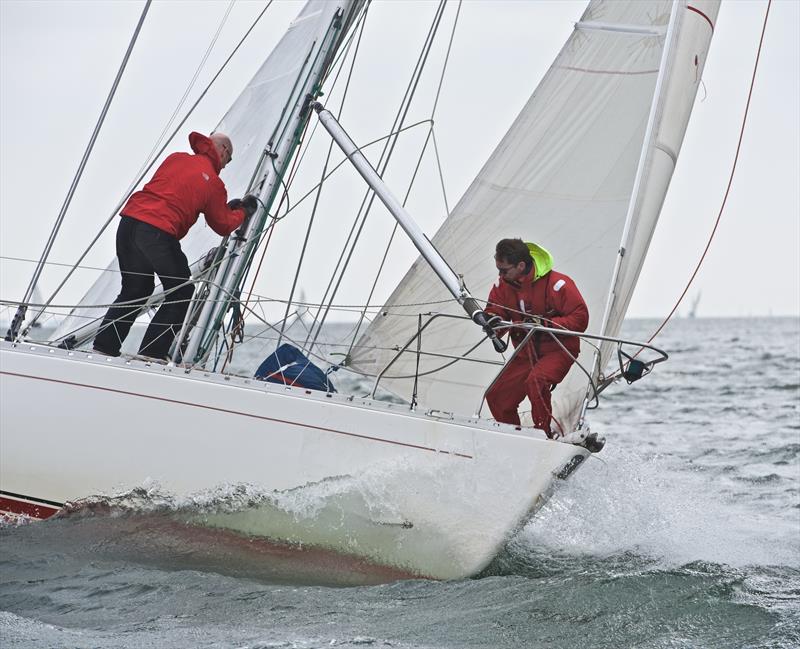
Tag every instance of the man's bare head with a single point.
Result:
(222, 143)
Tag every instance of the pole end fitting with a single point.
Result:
(480, 318)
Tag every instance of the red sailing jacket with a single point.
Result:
(184, 186)
(553, 297)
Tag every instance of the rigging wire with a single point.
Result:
(216, 264)
(414, 175)
(325, 166)
(335, 65)
(121, 204)
(306, 87)
(338, 264)
(152, 154)
(20, 315)
(336, 168)
(441, 173)
(446, 60)
(297, 160)
(369, 196)
(383, 163)
(727, 189)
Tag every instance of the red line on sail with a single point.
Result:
(697, 11)
(243, 414)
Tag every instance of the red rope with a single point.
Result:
(730, 181)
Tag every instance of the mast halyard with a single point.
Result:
(429, 252)
(238, 251)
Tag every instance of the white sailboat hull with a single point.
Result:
(429, 496)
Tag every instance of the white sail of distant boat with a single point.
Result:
(433, 491)
(694, 305)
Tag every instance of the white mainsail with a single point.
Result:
(583, 171)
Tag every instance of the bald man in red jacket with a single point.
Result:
(151, 225)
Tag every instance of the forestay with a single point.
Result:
(253, 122)
(593, 150)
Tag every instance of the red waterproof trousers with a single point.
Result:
(528, 375)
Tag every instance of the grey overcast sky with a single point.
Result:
(59, 58)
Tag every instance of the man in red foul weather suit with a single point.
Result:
(529, 290)
(151, 225)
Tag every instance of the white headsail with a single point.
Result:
(583, 171)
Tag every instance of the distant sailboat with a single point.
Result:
(693, 307)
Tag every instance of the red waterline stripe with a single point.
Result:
(697, 11)
(35, 510)
(40, 501)
(236, 412)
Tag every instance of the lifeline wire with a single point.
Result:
(261, 298)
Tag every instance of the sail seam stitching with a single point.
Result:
(634, 30)
(590, 71)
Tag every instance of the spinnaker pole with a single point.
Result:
(428, 251)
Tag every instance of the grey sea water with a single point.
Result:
(683, 532)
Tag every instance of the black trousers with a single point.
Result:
(143, 250)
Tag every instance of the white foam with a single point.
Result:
(629, 503)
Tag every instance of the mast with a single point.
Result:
(238, 250)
